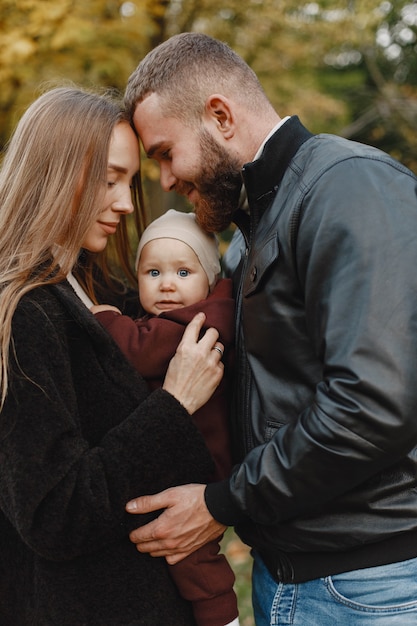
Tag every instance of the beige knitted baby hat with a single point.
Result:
(183, 226)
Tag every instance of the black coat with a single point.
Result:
(80, 435)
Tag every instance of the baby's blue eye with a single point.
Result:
(154, 273)
(183, 273)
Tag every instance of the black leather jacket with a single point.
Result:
(325, 409)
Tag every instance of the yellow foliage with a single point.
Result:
(294, 47)
(15, 49)
(91, 43)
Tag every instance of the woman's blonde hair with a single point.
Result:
(52, 184)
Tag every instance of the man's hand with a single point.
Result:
(184, 526)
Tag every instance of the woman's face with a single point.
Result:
(123, 164)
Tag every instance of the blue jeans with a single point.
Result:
(377, 596)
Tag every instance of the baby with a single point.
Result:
(178, 270)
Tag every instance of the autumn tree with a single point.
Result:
(344, 66)
(95, 43)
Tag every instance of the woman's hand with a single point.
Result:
(196, 368)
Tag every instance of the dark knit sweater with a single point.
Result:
(79, 436)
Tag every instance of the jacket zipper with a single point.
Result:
(244, 369)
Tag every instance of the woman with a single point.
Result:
(80, 434)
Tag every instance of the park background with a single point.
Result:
(343, 66)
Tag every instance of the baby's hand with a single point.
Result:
(99, 308)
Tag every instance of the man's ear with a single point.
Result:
(219, 113)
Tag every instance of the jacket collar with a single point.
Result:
(263, 176)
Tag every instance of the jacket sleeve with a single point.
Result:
(355, 253)
(150, 342)
(65, 476)
(219, 308)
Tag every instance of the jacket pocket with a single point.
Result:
(271, 428)
(261, 258)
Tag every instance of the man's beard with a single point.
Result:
(218, 184)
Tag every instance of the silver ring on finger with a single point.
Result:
(219, 350)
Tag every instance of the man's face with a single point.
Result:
(192, 163)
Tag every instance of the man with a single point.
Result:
(325, 406)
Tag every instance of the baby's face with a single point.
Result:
(170, 276)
